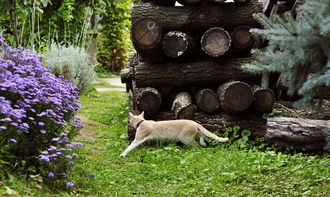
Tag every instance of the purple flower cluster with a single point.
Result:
(37, 108)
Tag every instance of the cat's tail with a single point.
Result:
(211, 135)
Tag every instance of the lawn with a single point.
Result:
(170, 170)
(183, 171)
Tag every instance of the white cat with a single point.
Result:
(185, 131)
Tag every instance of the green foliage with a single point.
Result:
(71, 62)
(297, 48)
(114, 40)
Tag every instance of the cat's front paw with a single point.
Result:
(122, 155)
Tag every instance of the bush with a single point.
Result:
(71, 62)
(36, 113)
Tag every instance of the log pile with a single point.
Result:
(188, 64)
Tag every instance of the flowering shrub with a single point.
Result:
(37, 112)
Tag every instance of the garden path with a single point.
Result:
(115, 82)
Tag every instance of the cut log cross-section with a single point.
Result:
(206, 100)
(235, 96)
(263, 99)
(148, 100)
(176, 44)
(242, 38)
(183, 107)
(146, 33)
(146, 37)
(215, 42)
(301, 134)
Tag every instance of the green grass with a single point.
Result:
(184, 171)
(176, 171)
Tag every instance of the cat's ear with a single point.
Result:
(142, 114)
(130, 114)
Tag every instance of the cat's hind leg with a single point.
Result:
(201, 140)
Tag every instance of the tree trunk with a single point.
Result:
(161, 2)
(147, 100)
(183, 107)
(13, 19)
(192, 73)
(190, 2)
(235, 96)
(207, 101)
(263, 99)
(215, 42)
(301, 134)
(220, 122)
(201, 18)
(177, 44)
(242, 39)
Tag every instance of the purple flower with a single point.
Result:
(70, 184)
(71, 163)
(92, 175)
(12, 140)
(68, 157)
(41, 124)
(3, 127)
(42, 131)
(52, 148)
(63, 174)
(44, 158)
(74, 155)
(50, 174)
(56, 139)
(76, 144)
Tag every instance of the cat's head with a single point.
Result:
(135, 119)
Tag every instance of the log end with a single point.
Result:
(215, 42)
(146, 33)
(175, 44)
(263, 100)
(186, 112)
(235, 96)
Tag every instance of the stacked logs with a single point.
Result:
(188, 63)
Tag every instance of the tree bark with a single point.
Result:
(235, 96)
(183, 107)
(206, 100)
(301, 134)
(147, 100)
(199, 72)
(161, 2)
(263, 99)
(190, 2)
(177, 44)
(13, 19)
(201, 18)
(242, 38)
(215, 42)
